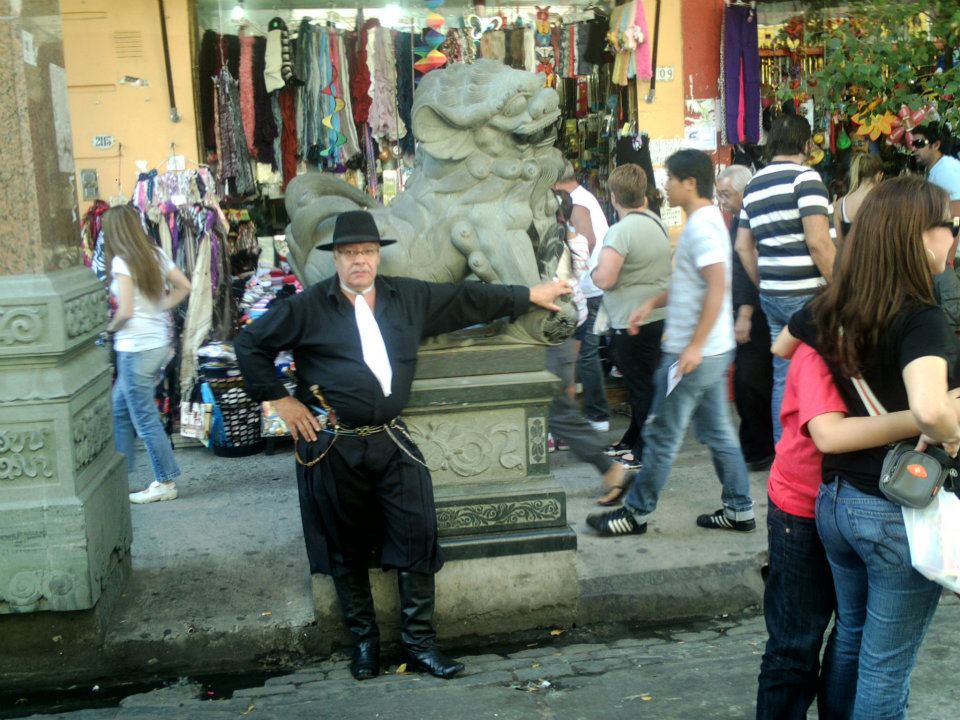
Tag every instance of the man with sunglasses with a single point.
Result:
(929, 144)
(365, 491)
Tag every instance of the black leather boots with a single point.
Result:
(356, 602)
(417, 636)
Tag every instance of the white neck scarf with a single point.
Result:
(371, 341)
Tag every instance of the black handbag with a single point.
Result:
(909, 477)
(912, 478)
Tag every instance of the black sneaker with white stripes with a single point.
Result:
(616, 450)
(616, 522)
(720, 521)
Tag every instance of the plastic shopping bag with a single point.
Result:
(934, 536)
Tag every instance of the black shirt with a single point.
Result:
(916, 331)
(744, 292)
(320, 327)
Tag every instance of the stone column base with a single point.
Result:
(477, 597)
(64, 514)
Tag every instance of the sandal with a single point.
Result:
(615, 493)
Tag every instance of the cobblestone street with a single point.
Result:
(705, 670)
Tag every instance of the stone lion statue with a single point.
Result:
(479, 203)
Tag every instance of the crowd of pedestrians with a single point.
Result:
(838, 551)
(831, 361)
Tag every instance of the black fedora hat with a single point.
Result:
(355, 226)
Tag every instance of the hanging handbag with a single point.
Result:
(195, 417)
(908, 478)
(911, 478)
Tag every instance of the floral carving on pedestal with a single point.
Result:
(22, 325)
(27, 589)
(508, 513)
(91, 433)
(85, 313)
(467, 450)
(22, 454)
(537, 440)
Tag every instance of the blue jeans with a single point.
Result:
(701, 396)
(589, 368)
(779, 309)
(134, 410)
(798, 603)
(884, 606)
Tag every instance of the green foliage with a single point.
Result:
(886, 50)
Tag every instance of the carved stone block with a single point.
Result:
(27, 457)
(64, 514)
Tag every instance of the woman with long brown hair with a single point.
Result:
(878, 321)
(146, 285)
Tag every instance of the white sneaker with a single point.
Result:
(156, 492)
(600, 425)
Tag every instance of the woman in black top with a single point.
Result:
(878, 320)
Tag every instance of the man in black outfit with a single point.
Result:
(753, 364)
(363, 485)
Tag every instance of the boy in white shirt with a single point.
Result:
(698, 350)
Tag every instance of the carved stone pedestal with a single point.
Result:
(64, 514)
(479, 415)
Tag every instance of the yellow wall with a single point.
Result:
(663, 118)
(103, 41)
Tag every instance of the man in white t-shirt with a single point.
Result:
(589, 220)
(697, 351)
(943, 170)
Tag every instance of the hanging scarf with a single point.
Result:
(404, 62)
(234, 158)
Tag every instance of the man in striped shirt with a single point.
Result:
(783, 236)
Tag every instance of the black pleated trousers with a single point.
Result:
(753, 390)
(367, 502)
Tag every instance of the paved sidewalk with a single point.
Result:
(706, 670)
(220, 581)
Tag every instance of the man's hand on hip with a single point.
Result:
(300, 421)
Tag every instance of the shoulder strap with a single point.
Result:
(659, 224)
(870, 402)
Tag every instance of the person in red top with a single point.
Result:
(799, 599)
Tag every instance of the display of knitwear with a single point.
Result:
(360, 82)
(265, 130)
(262, 289)
(630, 39)
(288, 136)
(235, 173)
(91, 234)
(245, 81)
(458, 47)
(404, 61)
(309, 96)
(385, 123)
(215, 51)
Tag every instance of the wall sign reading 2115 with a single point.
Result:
(103, 142)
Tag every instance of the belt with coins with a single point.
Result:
(330, 424)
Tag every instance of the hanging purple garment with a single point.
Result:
(741, 71)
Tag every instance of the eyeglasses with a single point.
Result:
(952, 225)
(366, 253)
(918, 143)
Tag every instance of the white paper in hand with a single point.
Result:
(673, 377)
